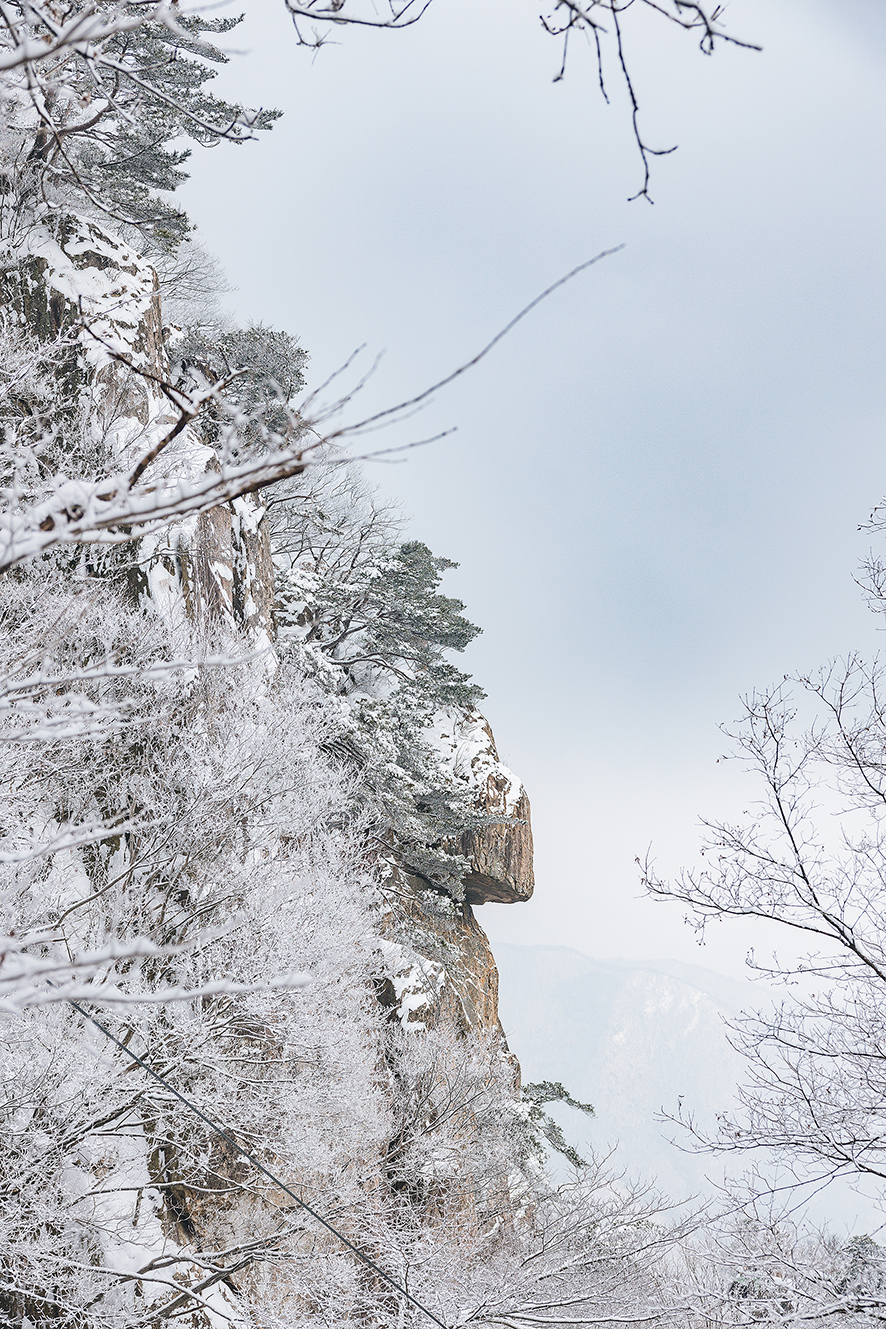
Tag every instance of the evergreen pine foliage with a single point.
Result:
(103, 124)
(389, 622)
(364, 610)
(266, 369)
(541, 1126)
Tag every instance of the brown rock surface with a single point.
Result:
(253, 568)
(440, 966)
(499, 850)
(441, 970)
(207, 566)
(501, 859)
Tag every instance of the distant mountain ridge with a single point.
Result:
(634, 1038)
(631, 1038)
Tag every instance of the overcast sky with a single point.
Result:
(656, 480)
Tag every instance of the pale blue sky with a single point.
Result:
(656, 480)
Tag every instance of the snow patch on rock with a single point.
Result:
(416, 980)
(468, 755)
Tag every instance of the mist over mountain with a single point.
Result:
(634, 1038)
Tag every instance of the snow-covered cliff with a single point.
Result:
(223, 797)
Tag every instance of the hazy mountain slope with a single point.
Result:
(632, 1038)
(628, 1038)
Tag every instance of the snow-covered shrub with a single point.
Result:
(209, 832)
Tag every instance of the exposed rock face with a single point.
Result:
(73, 269)
(501, 850)
(225, 567)
(253, 568)
(206, 563)
(501, 856)
(218, 564)
(439, 967)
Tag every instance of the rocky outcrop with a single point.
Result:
(501, 858)
(253, 569)
(439, 968)
(78, 286)
(499, 848)
(227, 576)
(206, 563)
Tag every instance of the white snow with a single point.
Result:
(467, 753)
(417, 981)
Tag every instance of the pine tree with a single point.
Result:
(265, 367)
(100, 123)
(363, 609)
